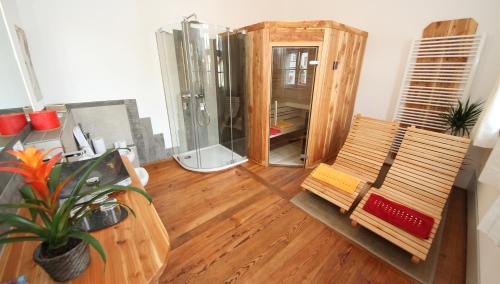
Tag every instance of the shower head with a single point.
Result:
(192, 20)
(193, 15)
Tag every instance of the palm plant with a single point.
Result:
(50, 221)
(461, 118)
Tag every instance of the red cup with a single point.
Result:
(12, 123)
(44, 120)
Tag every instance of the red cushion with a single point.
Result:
(410, 220)
(274, 131)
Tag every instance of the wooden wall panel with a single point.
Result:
(457, 27)
(345, 86)
(332, 119)
(258, 91)
(465, 26)
(304, 25)
(296, 35)
(321, 102)
(334, 90)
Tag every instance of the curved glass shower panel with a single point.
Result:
(175, 84)
(204, 117)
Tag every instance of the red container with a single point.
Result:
(12, 123)
(44, 120)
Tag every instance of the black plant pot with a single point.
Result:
(65, 266)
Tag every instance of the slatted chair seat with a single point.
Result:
(421, 178)
(342, 199)
(362, 156)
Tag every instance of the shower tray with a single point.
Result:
(213, 158)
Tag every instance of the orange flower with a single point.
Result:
(31, 157)
(34, 170)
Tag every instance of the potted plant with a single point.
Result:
(461, 118)
(64, 249)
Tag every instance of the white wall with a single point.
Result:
(488, 187)
(11, 14)
(12, 90)
(98, 50)
(488, 252)
(94, 50)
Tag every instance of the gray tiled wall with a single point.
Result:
(150, 146)
(9, 182)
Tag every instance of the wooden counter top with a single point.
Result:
(136, 249)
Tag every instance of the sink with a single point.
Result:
(110, 171)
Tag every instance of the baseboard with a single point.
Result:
(472, 249)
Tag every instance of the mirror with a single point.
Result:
(13, 95)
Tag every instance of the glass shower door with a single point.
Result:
(207, 56)
(200, 66)
(196, 67)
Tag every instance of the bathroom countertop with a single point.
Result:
(4, 140)
(46, 135)
(136, 249)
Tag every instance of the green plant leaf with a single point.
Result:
(21, 205)
(61, 185)
(45, 219)
(54, 177)
(13, 231)
(121, 204)
(111, 189)
(22, 223)
(78, 219)
(460, 119)
(60, 222)
(88, 171)
(91, 241)
(20, 239)
(34, 209)
(27, 194)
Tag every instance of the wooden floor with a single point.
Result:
(239, 226)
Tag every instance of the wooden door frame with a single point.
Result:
(319, 85)
(306, 44)
(334, 87)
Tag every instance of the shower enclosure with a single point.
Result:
(203, 78)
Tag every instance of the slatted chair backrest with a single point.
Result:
(367, 146)
(426, 166)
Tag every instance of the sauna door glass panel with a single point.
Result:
(293, 70)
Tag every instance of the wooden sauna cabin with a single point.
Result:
(301, 79)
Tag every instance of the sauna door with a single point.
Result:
(293, 74)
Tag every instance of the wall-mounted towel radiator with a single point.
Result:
(438, 73)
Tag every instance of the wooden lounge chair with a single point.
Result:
(362, 156)
(421, 178)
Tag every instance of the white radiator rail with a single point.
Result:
(449, 78)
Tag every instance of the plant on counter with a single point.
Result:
(461, 118)
(64, 251)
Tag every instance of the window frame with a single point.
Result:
(297, 68)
